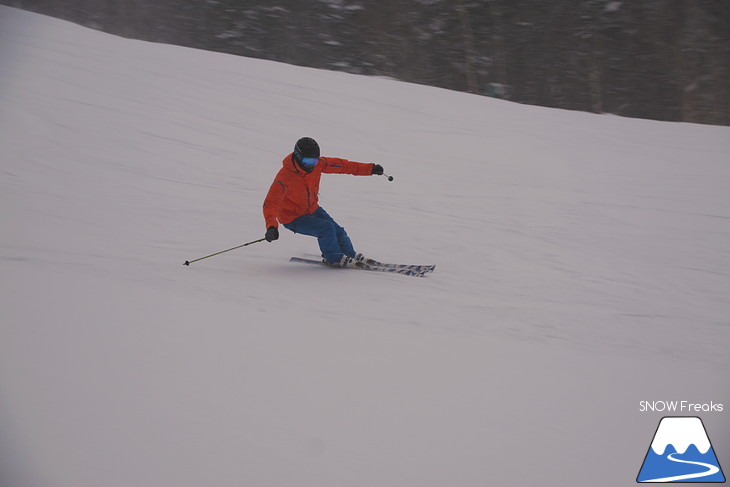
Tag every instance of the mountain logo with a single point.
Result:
(681, 452)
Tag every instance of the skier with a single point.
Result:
(293, 197)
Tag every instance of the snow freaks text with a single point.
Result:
(679, 407)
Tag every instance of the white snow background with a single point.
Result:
(583, 265)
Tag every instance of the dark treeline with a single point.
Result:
(659, 59)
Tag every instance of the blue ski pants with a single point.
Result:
(332, 238)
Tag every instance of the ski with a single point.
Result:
(420, 268)
(375, 263)
(408, 271)
(417, 271)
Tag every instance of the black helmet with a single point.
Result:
(305, 147)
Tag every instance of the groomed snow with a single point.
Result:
(583, 265)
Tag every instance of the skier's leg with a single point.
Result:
(324, 230)
(342, 238)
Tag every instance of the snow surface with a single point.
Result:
(583, 265)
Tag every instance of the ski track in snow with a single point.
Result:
(579, 259)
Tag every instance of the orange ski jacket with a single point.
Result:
(295, 192)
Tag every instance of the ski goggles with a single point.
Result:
(310, 161)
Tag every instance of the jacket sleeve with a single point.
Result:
(272, 203)
(334, 165)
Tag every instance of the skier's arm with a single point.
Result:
(272, 203)
(334, 165)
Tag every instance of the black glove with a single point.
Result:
(377, 169)
(272, 233)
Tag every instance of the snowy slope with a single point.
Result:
(583, 266)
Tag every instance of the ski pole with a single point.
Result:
(390, 178)
(188, 262)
